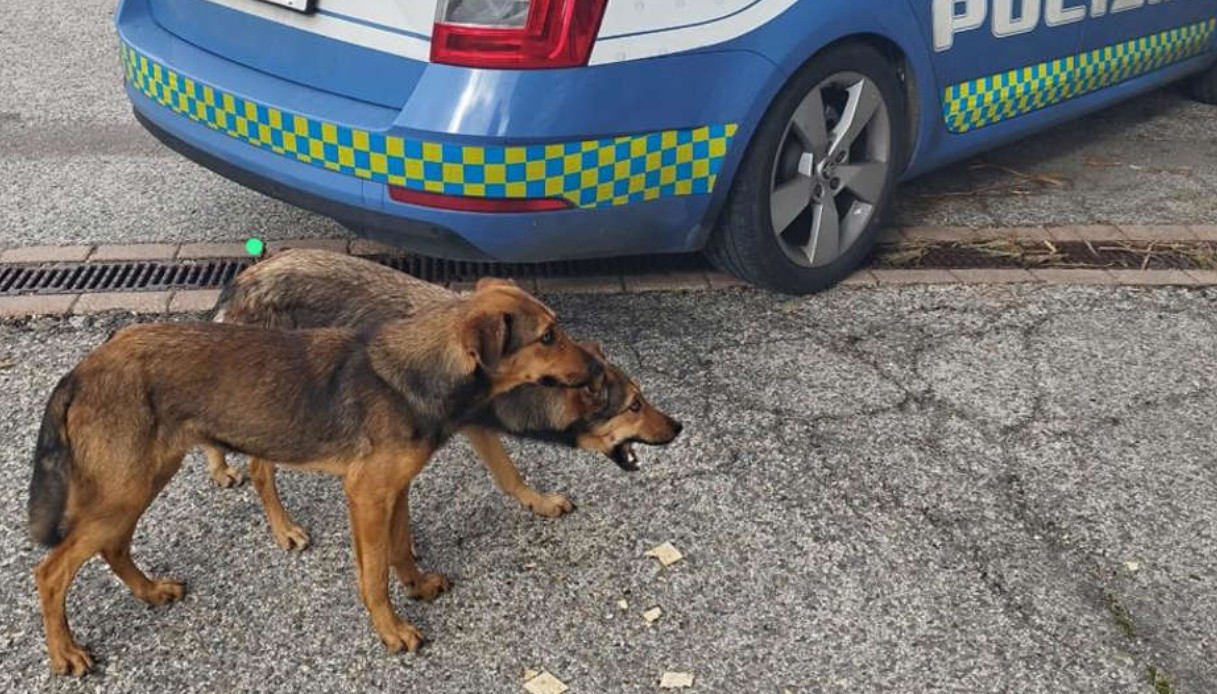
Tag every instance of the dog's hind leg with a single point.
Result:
(490, 449)
(122, 519)
(223, 474)
(53, 576)
(419, 585)
(91, 534)
(117, 554)
(101, 519)
(287, 534)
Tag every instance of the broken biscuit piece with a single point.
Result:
(676, 680)
(652, 614)
(545, 683)
(667, 554)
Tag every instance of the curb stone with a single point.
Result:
(189, 301)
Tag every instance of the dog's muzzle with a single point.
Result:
(623, 453)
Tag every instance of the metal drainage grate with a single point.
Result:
(162, 275)
(132, 276)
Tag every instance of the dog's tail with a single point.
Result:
(52, 467)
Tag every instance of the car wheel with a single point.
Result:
(805, 206)
(1204, 86)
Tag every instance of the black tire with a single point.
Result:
(1203, 87)
(743, 243)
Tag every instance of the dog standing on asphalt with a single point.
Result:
(370, 406)
(304, 288)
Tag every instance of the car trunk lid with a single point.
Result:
(371, 51)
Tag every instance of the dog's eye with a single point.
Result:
(548, 337)
(636, 406)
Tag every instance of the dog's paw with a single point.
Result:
(401, 636)
(163, 591)
(226, 477)
(550, 505)
(428, 586)
(68, 658)
(291, 537)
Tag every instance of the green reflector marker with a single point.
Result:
(255, 247)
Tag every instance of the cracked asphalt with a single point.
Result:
(936, 489)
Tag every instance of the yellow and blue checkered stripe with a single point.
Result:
(978, 103)
(588, 173)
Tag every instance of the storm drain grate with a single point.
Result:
(163, 275)
(133, 276)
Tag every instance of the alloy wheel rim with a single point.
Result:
(831, 169)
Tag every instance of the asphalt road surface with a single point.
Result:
(78, 168)
(942, 489)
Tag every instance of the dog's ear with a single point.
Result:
(490, 282)
(486, 338)
(595, 349)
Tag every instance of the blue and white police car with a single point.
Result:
(768, 133)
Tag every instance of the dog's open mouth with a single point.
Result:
(623, 454)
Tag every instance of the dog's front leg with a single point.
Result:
(421, 586)
(373, 487)
(490, 449)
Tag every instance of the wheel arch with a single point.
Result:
(909, 79)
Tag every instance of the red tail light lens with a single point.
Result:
(467, 204)
(516, 34)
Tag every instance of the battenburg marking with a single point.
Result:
(588, 173)
(981, 102)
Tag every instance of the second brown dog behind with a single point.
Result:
(304, 288)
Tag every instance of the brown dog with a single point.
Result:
(371, 407)
(305, 288)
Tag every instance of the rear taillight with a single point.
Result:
(519, 34)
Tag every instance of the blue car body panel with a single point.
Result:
(665, 195)
(1119, 26)
(351, 71)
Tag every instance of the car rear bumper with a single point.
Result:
(420, 237)
(647, 185)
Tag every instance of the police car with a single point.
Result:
(767, 133)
